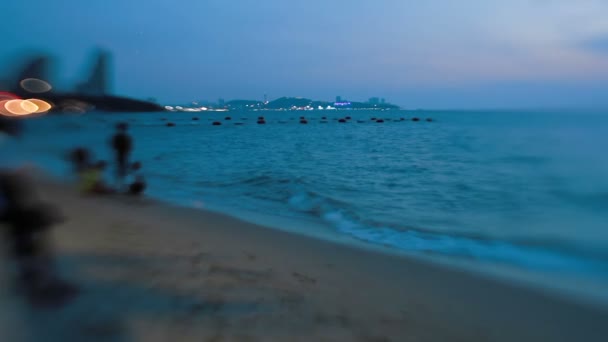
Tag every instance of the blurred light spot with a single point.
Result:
(19, 107)
(3, 110)
(43, 106)
(75, 107)
(73, 110)
(34, 85)
(4, 95)
(14, 108)
(29, 106)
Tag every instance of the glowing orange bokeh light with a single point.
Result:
(4, 111)
(14, 108)
(43, 106)
(29, 106)
(20, 107)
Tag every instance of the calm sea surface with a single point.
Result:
(520, 190)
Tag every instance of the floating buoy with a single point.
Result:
(238, 123)
(373, 119)
(216, 123)
(228, 118)
(348, 118)
(429, 120)
(415, 119)
(342, 121)
(379, 121)
(303, 121)
(195, 119)
(170, 124)
(261, 122)
(324, 118)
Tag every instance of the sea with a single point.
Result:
(520, 195)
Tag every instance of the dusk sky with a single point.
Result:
(418, 54)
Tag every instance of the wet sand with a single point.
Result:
(152, 272)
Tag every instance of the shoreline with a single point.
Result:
(153, 271)
(588, 290)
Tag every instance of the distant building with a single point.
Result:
(38, 67)
(338, 98)
(98, 82)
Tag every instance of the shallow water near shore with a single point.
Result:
(524, 191)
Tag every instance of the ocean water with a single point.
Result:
(524, 191)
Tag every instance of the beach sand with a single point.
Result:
(152, 272)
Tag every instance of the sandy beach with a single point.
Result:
(152, 272)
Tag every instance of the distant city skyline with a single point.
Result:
(431, 54)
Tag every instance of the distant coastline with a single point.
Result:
(284, 104)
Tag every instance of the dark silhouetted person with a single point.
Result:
(81, 159)
(139, 184)
(122, 145)
(29, 222)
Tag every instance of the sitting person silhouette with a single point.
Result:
(91, 179)
(139, 184)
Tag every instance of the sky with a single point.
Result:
(418, 54)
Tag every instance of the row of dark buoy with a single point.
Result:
(262, 121)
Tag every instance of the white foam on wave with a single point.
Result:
(303, 201)
(414, 241)
(443, 244)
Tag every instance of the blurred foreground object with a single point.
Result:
(10, 126)
(28, 222)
